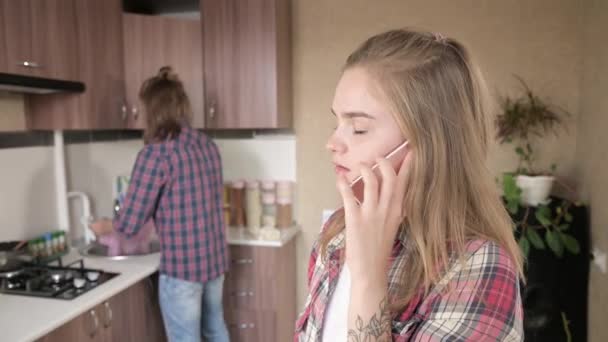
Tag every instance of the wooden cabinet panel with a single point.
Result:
(3, 48)
(101, 64)
(247, 63)
(152, 42)
(54, 39)
(100, 67)
(252, 326)
(17, 31)
(40, 38)
(260, 290)
(86, 328)
(131, 315)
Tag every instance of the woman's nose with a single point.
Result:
(335, 144)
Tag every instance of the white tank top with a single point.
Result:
(335, 325)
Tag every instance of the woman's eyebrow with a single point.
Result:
(351, 115)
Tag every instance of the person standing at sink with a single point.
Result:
(177, 182)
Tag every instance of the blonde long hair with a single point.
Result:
(439, 100)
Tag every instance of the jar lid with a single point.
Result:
(238, 184)
(253, 184)
(283, 200)
(268, 185)
(285, 185)
(268, 198)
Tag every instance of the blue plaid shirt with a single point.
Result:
(178, 183)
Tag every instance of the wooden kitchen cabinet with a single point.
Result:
(247, 63)
(131, 315)
(260, 293)
(101, 68)
(151, 42)
(40, 38)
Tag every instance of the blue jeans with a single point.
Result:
(191, 310)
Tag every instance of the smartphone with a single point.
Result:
(395, 156)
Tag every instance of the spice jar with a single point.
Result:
(253, 206)
(269, 210)
(226, 203)
(284, 218)
(284, 215)
(268, 187)
(237, 204)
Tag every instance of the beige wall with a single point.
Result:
(539, 40)
(592, 152)
(12, 115)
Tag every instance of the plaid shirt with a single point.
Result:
(179, 184)
(478, 300)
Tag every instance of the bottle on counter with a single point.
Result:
(253, 206)
(226, 207)
(284, 218)
(237, 204)
(269, 210)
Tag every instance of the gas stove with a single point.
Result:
(59, 282)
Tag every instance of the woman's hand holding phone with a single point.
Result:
(372, 224)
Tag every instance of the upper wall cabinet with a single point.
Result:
(40, 38)
(100, 65)
(247, 63)
(151, 42)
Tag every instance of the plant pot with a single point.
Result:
(535, 190)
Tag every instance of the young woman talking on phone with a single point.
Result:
(424, 250)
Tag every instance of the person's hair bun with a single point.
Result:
(166, 73)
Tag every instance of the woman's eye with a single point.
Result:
(359, 132)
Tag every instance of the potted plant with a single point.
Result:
(522, 122)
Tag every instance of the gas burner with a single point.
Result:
(53, 281)
(11, 274)
(13, 284)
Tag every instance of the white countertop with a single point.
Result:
(240, 236)
(25, 318)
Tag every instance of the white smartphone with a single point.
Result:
(395, 156)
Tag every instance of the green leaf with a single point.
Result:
(510, 189)
(568, 217)
(524, 245)
(562, 227)
(570, 242)
(513, 206)
(542, 215)
(520, 151)
(553, 168)
(558, 210)
(554, 243)
(535, 239)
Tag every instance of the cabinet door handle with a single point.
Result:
(95, 323)
(135, 112)
(29, 64)
(123, 111)
(242, 261)
(212, 111)
(243, 293)
(109, 314)
(243, 325)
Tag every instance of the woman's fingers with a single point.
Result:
(348, 197)
(370, 187)
(388, 184)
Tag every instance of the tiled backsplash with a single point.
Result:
(27, 196)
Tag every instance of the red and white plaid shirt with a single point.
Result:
(483, 302)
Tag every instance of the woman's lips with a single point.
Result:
(339, 169)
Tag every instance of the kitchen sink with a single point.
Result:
(98, 250)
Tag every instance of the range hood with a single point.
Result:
(38, 85)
